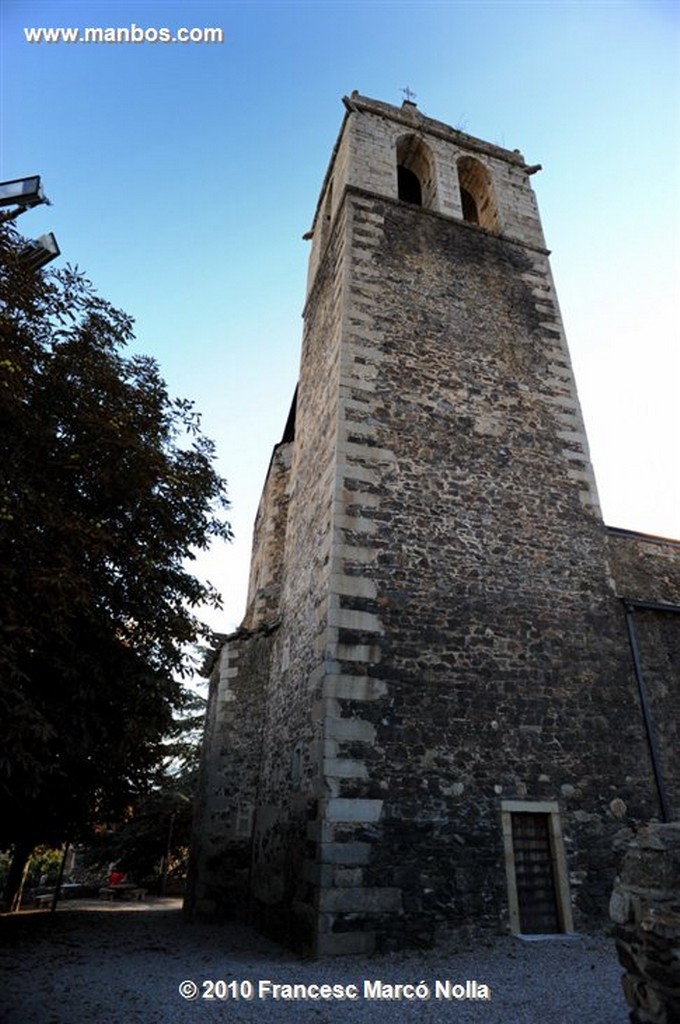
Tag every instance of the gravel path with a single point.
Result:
(123, 964)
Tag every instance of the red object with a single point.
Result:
(117, 877)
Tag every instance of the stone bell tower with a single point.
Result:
(430, 713)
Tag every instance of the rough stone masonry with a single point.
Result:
(645, 906)
(453, 684)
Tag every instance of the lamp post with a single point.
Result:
(41, 251)
(23, 194)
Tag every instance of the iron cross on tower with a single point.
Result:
(409, 95)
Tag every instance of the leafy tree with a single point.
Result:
(44, 861)
(152, 842)
(107, 490)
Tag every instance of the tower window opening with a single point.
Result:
(416, 181)
(408, 186)
(469, 206)
(476, 194)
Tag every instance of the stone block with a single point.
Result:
(344, 853)
(348, 809)
(353, 553)
(347, 618)
(368, 654)
(337, 768)
(344, 687)
(362, 900)
(353, 586)
(619, 907)
(347, 730)
(347, 877)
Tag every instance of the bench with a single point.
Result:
(122, 892)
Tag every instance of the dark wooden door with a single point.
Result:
(534, 874)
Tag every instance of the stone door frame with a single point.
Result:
(561, 878)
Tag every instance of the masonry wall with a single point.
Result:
(291, 781)
(492, 625)
(269, 539)
(658, 637)
(645, 907)
(228, 790)
(646, 573)
(365, 158)
(437, 626)
(644, 568)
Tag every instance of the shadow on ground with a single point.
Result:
(126, 963)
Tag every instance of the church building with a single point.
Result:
(453, 685)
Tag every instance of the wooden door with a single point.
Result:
(534, 874)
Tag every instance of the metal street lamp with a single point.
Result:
(23, 194)
(40, 252)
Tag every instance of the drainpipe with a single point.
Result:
(631, 607)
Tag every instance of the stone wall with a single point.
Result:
(291, 782)
(365, 158)
(645, 907)
(269, 538)
(644, 568)
(481, 603)
(228, 790)
(646, 574)
(438, 632)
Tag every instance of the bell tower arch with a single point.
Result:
(416, 181)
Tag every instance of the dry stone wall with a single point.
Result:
(645, 907)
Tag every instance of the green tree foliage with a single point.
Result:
(152, 843)
(107, 490)
(44, 862)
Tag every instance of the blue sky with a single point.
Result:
(184, 176)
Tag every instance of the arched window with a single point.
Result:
(408, 186)
(415, 172)
(469, 206)
(476, 194)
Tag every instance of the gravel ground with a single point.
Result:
(124, 963)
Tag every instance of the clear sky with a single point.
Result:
(183, 177)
